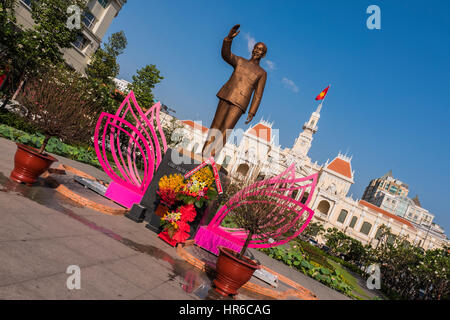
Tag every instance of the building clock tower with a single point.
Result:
(303, 142)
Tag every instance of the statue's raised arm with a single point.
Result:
(226, 46)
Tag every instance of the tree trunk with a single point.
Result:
(14, 96)
(244, 248)
(18, 89)
(44, 144)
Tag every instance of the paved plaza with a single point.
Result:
(42, 233)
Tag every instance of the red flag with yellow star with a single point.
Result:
(322, 95)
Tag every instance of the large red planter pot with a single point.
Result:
(231, 272)
(29, 164)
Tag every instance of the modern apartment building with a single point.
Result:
(386, 186)
(390, 194)
(95, 22)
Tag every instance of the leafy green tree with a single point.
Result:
(409, 272)
(314, 229)
(143, 84)
(103, 67)
(337, 241)
(116, 44)
(357, 253)
(384, 234)
(32, 50)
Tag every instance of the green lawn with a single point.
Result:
(358, 292)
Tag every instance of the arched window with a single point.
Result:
(353, 222)
(342, 216)
(243, 170)
(323, 207)
(365, 228)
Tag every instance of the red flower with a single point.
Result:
(188, 213)
(181, 236)
(168, 196)
(183, 226)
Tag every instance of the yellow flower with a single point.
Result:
(204, 177)
(173, 182)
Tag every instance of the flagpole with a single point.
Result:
(323, 100)
(329, 86)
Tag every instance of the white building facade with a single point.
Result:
(94, 22)
(122, 85)
(255, 154)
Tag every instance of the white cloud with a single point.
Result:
(269, 64)
(290, 84)
(250, 42)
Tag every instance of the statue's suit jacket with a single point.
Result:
(246, 78)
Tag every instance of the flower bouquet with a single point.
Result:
(169, 187)
(199, 189)
(180, 200)
(175, 224)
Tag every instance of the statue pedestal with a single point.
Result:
(174, 161)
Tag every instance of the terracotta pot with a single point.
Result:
(232, 273)
(29, 164)
(161, 210)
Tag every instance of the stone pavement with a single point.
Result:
(42, 233)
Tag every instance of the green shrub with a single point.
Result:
(13, 120)
(295, 257)
(348, 265)
(315, 254)
(77, 153)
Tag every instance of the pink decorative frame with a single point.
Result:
(128, 185)
(281, 187)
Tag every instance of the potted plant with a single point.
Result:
(261, 214)
(58, 103)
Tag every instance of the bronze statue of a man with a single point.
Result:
(235, 95)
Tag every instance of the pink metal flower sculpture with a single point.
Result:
(123, 143)
(286, 219)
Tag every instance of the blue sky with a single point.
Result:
(388, 104)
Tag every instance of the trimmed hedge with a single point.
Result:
(55, 145)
